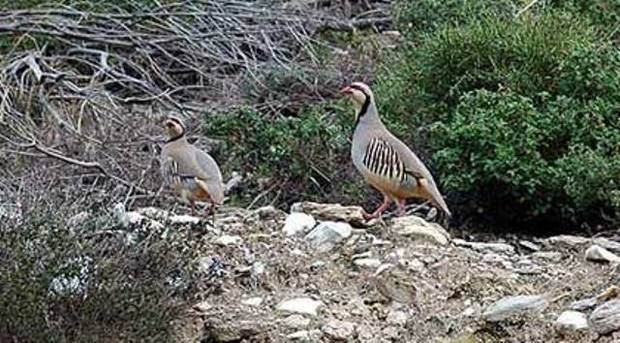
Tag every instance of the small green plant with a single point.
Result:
(307, 156)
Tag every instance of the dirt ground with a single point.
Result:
(450, 286)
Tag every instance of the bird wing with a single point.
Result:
(209, 175)
(393, 163)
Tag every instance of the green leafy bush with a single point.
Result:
(560, 159)
(306, 156)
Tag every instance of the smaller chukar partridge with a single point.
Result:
(385, 162)
(191, 173)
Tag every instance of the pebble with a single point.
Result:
(300, 305)
(608, 244)
(327, 234)
(571, 321)
(418, 228)
(499, 248)
(397, 317)
(338, 330)
(367, 262)
(228, 240)
(298, 223)
(529, 245)
(513, 305)
(606, 317)
(596, 253)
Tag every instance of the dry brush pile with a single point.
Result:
(81, 92)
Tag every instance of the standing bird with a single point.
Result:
(386, 163)
(191, 173)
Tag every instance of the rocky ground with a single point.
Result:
(319, 274)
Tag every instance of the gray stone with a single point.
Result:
(418, 228)
(296, 321)
(608, 244)
(550, 256)
(203, 306)
(583, 304)
(606, 317)
(221, 330)
(338, 330)
(298, 223)
(397, 317)
(327, 234)
(568, 241)
(515, 305)
(331, 212)
(499, 248)
(300, 305)
(299, 335)
(571, 321)
(596, 253)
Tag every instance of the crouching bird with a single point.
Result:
(385, 162)
(191, 173)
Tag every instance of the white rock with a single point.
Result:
(183, 219)
(258, 268)
(418, 228)
(500, 248)
(317, 264)
(596, 253)
(254, 301)
(298, 223)
(338, 330)
(397, 317)
(571, 321)
(228, 240)
(367, 262)
(296, 321)
(606, 317)
(300, 305)
(327, 234)
(529, 245)
(514, 305)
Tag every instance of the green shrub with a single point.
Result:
(560, 159)
(526, 107)
(89, 283)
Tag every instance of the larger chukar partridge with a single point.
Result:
(191, 173)
(386, 163)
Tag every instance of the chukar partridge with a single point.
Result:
(191, 173)
(386, 163)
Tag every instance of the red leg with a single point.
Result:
(401, 206)
(380, 209)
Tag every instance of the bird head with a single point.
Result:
(174, 127)
(359, 93)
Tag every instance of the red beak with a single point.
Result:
(346, 90)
